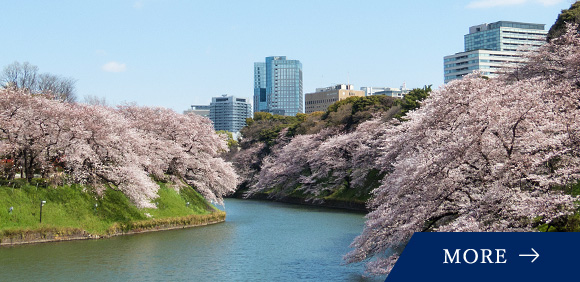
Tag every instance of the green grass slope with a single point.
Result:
(73, 207)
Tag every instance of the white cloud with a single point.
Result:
(138, 4)
(482, 4)
(114, 67)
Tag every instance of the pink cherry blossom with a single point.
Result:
(481, 155)
(127, 148)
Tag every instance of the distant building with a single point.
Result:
(202, 110)
(490, 47)
(278, 86)
(388, 91)
(324, 97)
(260, 98)
(489, 62)
(505, 36)
(229, 113)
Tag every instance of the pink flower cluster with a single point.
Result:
(481, 155)
(127, 148)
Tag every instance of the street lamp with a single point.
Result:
(41, 204)
(187, 204)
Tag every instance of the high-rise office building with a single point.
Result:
(229, 113)
(490, 47)
(278, 86)
(260, 101)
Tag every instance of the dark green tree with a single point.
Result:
(412, 100)
(571, 15)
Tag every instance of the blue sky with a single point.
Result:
(174, 53)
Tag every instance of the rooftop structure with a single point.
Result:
(202, 110)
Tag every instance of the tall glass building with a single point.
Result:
(505, 36)
(260, 101)
(278, 86)
(229, 113)
(491, 47)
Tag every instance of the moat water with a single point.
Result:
(260, 241)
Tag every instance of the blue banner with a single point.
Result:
(489, 257)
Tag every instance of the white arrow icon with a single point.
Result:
(535, 255)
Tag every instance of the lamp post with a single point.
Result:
(41, 204)
(187, 204)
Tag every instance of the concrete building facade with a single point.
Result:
(229, 113)
(320, 100)
(388, 91)
(490, 47)
(201, 110)
(489, 62)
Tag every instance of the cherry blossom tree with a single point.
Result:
(31, 129)
(318, 165)
(92, 144)
(282, 169)
(248, 162)
(122, 148)
(185, 147)
(345, 160)
(481, 155)
(102, 149)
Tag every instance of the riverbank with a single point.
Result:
(35, 213)
(345, 204)
(54, 234)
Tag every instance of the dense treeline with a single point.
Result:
(128, 148)
(288, 156)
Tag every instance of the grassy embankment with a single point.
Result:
(71, 209)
